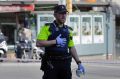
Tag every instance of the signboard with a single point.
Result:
(16, 8)
(98, 29)
(47, 0)
(10, 9)
(86, 29)
(42, 19)
(18, 0)
(91, 1)
(73, 22)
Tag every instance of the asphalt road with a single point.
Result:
(102, 71)
(31, 71)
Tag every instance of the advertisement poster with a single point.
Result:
(86, 29)
(73, 22)
(43, 19)
(46, 19)
(98, 35)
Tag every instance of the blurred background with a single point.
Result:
(95, 24)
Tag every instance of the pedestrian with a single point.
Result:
(24, 43)
(56, 37)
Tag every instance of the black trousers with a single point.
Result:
(60, 70)
(19, 52)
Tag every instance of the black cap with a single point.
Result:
(60, 9)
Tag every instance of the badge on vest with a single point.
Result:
(57, 29)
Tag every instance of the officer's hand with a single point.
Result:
(80, 70)
(60, 41)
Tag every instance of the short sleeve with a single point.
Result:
(44, 33)
(70, 43)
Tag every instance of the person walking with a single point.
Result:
(56, 37)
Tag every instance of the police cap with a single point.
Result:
(60, 9)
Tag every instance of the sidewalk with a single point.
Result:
(11, 55)
(99, 59)
(94, 57)
(85, 59)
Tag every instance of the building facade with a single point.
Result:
(12, 17)
(90, 22)
(95, 22)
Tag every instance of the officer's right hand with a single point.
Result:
(60, 41)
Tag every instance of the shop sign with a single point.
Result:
(28, 7)
(46, 0)
(18, 0)
(10, 8)
(16, 8)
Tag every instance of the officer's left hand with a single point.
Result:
(80, 70)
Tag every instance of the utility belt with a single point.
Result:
(59, 58)
(47, 61)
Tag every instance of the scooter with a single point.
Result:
(23, 49)
(3, 46)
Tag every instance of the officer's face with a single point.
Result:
(60, 17)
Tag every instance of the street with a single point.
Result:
(20, 71)
(100, 70)
(31, 71)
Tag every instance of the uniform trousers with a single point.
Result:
(60, 70)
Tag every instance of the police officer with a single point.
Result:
(57, 39)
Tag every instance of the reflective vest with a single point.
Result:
(56, 50)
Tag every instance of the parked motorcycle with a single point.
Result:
(3, 46)
(23, 49)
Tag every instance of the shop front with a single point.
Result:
(11, 18)
(92, 27)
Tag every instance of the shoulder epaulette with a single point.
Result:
(47, 24)
(70, 28)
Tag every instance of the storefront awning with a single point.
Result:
(16, 8)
